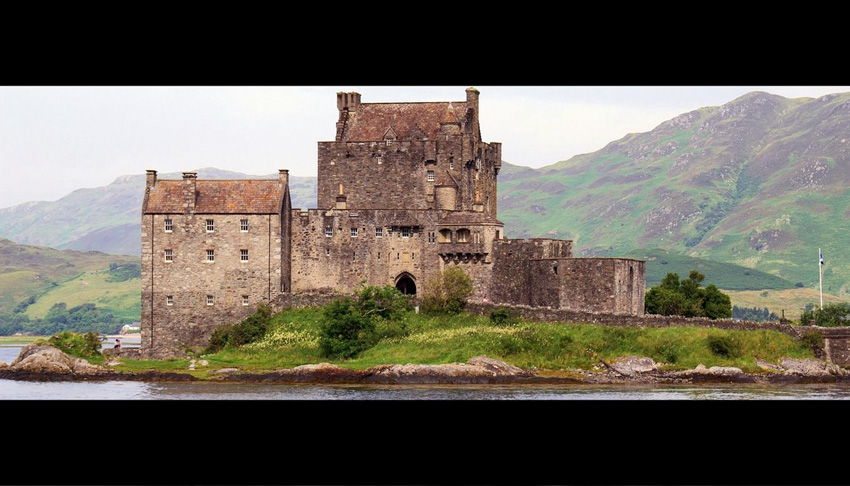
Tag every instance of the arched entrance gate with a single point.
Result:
(406, 284)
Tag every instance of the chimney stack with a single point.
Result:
(151, 178)
(284, 177)
(190, 188)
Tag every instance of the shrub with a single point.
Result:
(249, 330)
(724, 346)
(502, 316)
(687, 298)
(447, 292)
(80, 345)
(351, 326)
(813, 340)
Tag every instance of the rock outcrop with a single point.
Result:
(45, 359)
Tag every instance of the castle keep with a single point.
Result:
(404, 190)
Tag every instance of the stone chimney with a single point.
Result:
(284, 177)
(190, 188)
(151, 178)
(472, 99)
(348, 101)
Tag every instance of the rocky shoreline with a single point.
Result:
(46, 363)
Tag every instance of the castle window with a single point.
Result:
(210, 256)
(210, 225)
(169, 225)
(432, 237)
(445, 236)
(463, 235)
(405, 232)
(555, 269)
(329, 231)
(413, 256)
(398, 256)
(379, 255)
(497, 234)
(328, 251)
(210, 300)
(451, 162)
(169, 300)
(169, 255)
(244, 300)
(243, 225)
(430, 176)
(379, 232)
(243, 255)
(354, 232)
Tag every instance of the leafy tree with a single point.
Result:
(447, 292)
(687, 298)
(831, 315)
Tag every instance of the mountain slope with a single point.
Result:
(761, 181)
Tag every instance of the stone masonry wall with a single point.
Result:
(613, 285)
(176, 312)
(517, 279)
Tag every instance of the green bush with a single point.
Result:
(503, 317)
(831, 315)
(351, 326)
(724, 346)
(80, 345)
(814, 340)
(249, 330)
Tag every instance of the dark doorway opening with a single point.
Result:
(406, 285)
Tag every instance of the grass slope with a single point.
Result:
(122, 299)
(293, 340)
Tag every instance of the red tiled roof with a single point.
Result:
(218, 197)
(408, 120)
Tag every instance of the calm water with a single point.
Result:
(124, 390)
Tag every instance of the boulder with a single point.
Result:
(224, 371)
(725, 370)
(48, 359)
(633, 365)
(810, 367)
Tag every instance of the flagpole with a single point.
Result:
(820, 274)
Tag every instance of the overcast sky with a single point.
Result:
(54, 140)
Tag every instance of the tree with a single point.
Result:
(448, 292)
(831, 315)
(687, 298)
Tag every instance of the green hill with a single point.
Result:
(33, 279)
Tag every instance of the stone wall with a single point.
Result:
(186, 298)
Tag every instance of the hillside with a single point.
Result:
(108, 218)
(762, 182)
(32, 271)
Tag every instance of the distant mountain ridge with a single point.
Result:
(762, 181)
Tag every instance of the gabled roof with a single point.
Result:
(218, 197)
(408, 120)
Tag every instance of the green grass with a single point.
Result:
(23, 340)
(293, 341)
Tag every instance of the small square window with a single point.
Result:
(243, 225)
(354, 232)
(430, 176)
(169, 255)
(244, 300)
(210, 255)
(210, 225)
(169, 225)
(243, 255)
(329, 231)
(210, 300)
(169, 300)
(379, 232)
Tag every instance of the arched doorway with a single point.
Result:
(405, 284)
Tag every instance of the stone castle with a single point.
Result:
(404, 191)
